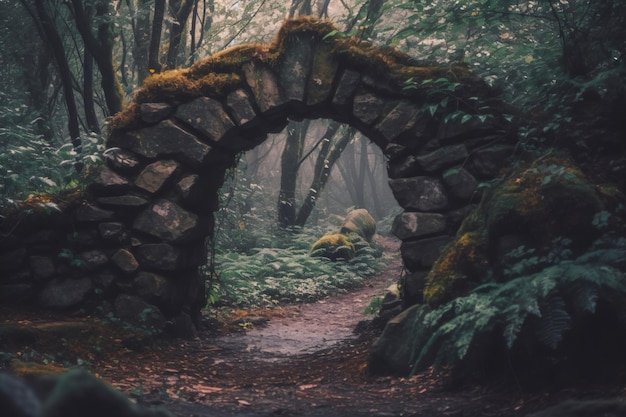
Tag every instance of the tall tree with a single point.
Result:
(100, 46)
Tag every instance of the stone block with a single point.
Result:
(93, 259)
(122, 160)
(323, 72)
(155, 112)
(153, 288)
(155, 175)
(168, 222)
(342, 100)
(264, 85)
(422, 254)
(207, 116)
(487, 162)
(442, 158)
(295, 67)
(109, 182)
(419, 193)
(125, 261)
(411, 225)
(461, 184)
(159, 256)
(139, 312)
(367, 107)
(65, 293)
(405, 166)
(88, 213)
(42, 267)
(124, 201)
(166, 139)
(12, 260)
(397, 121)
(240, 105)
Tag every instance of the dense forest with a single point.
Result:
(528, 290)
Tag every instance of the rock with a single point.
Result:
(348, 83)
(264, 85)
(42, 267)
(160, 256)
(77, 393)
(294, 68)
(399, 120)
(87, 213)
(93, 259)
(16, 293)
(391, 353)
(112, 231)
(323, 72)
(155, 112)
(240, 105)
(367, 107)
(207, 116)
(413, 288)
(121, 159)
(125, 260)
(168, 222)
(65, 293)
(487, 162)
(154, 289)
(123, 201)
(155, 175)
(334, 247)
(139, 312)
(410, 225)
(13, 260)
(16, 398)
(419, 193)
(360, 222)
(461, 184)
(422, 254)
(166, 139)
(107, 181)
(442, 157)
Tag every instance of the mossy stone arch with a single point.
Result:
(439, 127)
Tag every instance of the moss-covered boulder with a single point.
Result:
(536, 205)
(360, 222)
(334, 246)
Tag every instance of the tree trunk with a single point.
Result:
(328, 156)
(289, 163)
(101, 49)
(53, 38)
(181, 10)
(154, 65)
(141, 31)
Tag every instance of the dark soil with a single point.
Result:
(300, 360)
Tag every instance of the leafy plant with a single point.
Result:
(534, 306)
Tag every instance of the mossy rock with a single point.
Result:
(360, 222)
(334, 247)
(534, 206)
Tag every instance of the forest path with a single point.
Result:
(311, 327)
(305, 361)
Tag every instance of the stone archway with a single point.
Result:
(167, 154)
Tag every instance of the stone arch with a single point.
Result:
(439, 126)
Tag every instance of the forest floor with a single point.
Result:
(298, 360)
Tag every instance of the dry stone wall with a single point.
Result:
(137, 239)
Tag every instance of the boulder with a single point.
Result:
(333, 246)
(360, 222)
(65, 293)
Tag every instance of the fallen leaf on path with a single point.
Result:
(243, 402)
(307, 386)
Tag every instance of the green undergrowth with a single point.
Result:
(556, 303)
(270, 276)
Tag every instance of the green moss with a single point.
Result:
(220, 73)
(333, 246)
(360, 222)
(538, 203)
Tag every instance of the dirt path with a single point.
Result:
(306, 361)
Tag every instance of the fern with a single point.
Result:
(552, 296)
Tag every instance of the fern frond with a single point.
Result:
(554, 321)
